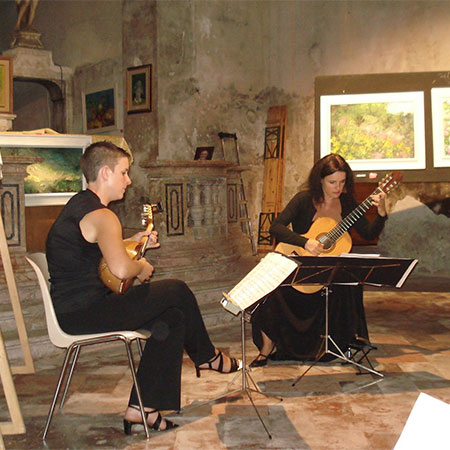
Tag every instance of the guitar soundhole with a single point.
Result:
(327, 243)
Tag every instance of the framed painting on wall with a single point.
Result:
(99, 111)
(440, 112)
(378, 131)
(139, 89)
(204, 153)
(58, 177)
(6, 85)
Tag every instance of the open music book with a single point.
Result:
(265, 277)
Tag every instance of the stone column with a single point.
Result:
(12, 207)
(12, 199)
(6, 121)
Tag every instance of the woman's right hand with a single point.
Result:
(146, 272)
(314, 247)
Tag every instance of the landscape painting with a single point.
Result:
(375, 131)
(440, 106)
(59, 172)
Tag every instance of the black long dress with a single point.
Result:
(295, 321)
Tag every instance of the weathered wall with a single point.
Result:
(222, 64)
(219, 65)
(140, 130)
(78, 32)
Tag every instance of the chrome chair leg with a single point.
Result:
(69, 378)
(136, 385)
(139, 346)
(57, 390)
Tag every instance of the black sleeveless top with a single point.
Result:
(73, 261)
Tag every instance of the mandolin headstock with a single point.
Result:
(390, 181)
(148, 209)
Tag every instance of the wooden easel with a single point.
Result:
(28, 366)
(16, 426)
(274, 150)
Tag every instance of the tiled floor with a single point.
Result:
(331, 407)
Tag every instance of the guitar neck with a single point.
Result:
(348, 221)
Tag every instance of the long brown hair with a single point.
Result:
(326, 166)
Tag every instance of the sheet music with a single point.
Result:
(406, 274)
(270, 272)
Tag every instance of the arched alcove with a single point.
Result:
(42, 91)
(38, 104)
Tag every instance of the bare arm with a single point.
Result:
(102, 226)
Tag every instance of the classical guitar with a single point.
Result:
(135, 250)
(334, 235)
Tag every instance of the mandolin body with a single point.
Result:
(115, 284)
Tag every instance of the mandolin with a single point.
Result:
(334, 235)
(135, 250)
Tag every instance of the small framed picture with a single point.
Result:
(99, 111)
(203, 153)
(139, 89)
(6, 84)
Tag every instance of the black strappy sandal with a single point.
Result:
(263, 361)
(235, 365)
(128, 425)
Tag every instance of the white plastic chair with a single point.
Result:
(73, 343)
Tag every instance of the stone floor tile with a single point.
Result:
(331, 407)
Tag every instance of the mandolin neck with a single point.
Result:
(144, 241)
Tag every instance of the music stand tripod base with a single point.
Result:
(325, 350)
(350, 270)
(246, 380)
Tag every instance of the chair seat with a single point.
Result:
(65, 340)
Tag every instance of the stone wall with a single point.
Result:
(413, 230)
(219, 66)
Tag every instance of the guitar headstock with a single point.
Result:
(148, 209)
(390, 181)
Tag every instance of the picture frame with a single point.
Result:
(139, 89)
(376, 131)
(440, 113)
(6, 84)
(204, 153)
(58, 177)
(100, 111)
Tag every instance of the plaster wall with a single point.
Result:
(222, 64)
(219, 65)
(78, 32)
(140, 130)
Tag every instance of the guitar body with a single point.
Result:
(115, 284)
(333, 235)
(320, 227)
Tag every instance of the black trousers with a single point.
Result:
(169, 309)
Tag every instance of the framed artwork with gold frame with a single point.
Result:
(139, 89)
(6, 84)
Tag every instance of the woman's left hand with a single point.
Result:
(379, 202)
(152, 241)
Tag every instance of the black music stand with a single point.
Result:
(249, 293)
(246, 380)
(325, 271)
